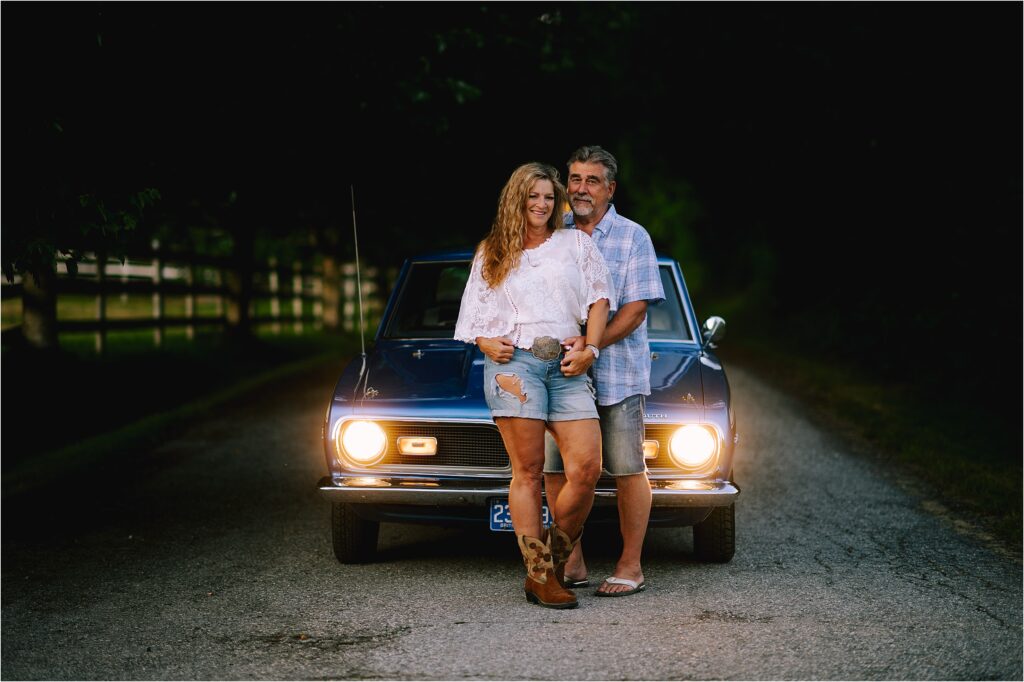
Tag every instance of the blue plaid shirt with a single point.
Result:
(624, 368)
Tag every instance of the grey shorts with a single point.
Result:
(550, 395)
(622, 440)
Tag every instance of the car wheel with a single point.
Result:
(355, 539)
(714, 538)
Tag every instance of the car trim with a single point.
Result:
(418, 492)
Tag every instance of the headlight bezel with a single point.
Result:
(698, 465)
(366, 459)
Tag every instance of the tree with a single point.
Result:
(56, 216)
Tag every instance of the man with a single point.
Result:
(622, 368)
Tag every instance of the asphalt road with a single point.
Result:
(209, 558)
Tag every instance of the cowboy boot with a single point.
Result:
(561, 547)
(542, 587)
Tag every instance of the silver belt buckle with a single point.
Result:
(546, 348)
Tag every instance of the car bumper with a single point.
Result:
(443, 493)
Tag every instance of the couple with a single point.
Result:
(536, 278)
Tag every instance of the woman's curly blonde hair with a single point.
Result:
(503, 246)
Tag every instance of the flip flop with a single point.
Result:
(632, 584)
(573, 583)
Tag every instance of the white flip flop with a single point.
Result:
(632, 584)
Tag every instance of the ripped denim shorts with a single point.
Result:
(537, 389)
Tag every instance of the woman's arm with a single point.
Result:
(577, 362)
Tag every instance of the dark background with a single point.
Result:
(843, 178)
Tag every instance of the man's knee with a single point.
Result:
(585, 472)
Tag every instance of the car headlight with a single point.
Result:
(693, 446)
(362, 442)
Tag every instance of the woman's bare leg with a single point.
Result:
(524, 441)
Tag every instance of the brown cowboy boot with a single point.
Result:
(561, 547)
(542, 588)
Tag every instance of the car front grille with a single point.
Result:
(663, 434)
(478, 446)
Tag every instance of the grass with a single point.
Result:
(105, 449)
(967, 454)
(75, 399)
(139, 306)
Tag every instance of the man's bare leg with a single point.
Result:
(634, 500)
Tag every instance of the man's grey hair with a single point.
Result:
(594, 154)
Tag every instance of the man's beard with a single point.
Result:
(582, 207)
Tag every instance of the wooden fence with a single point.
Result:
(188, 291)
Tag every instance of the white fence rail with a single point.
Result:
(279, 296)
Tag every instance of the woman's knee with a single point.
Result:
(531, 474)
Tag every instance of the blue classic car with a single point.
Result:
(408, 437)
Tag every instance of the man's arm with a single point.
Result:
(626, 319)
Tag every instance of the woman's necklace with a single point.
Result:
(529, 257)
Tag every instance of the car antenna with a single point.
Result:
(363, 374)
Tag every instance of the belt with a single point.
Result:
(546, 348)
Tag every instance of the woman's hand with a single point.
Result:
(574, 343)
(577, 362)
(497, 348)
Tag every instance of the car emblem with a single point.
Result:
(689, 398)
(371, 392)
(418, 354)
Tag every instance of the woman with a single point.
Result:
(533, 283)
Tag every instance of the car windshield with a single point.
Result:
(665, 320)
(428, 304)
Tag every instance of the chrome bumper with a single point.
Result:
(407, 491)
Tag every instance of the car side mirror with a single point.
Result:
(713, 331)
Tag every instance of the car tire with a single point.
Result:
(714, 538)
(354, 538)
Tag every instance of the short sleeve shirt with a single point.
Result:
(624, 368)
(548, 294)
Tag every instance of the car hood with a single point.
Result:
(675, 379)
(431, 375)
(419, 371)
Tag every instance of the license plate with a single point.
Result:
(501, 518)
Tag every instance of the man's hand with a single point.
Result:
(497, 348)
(577, 362)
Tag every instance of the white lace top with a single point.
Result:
(549, 294)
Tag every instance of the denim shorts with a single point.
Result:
(550, 395)
(622, 440)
